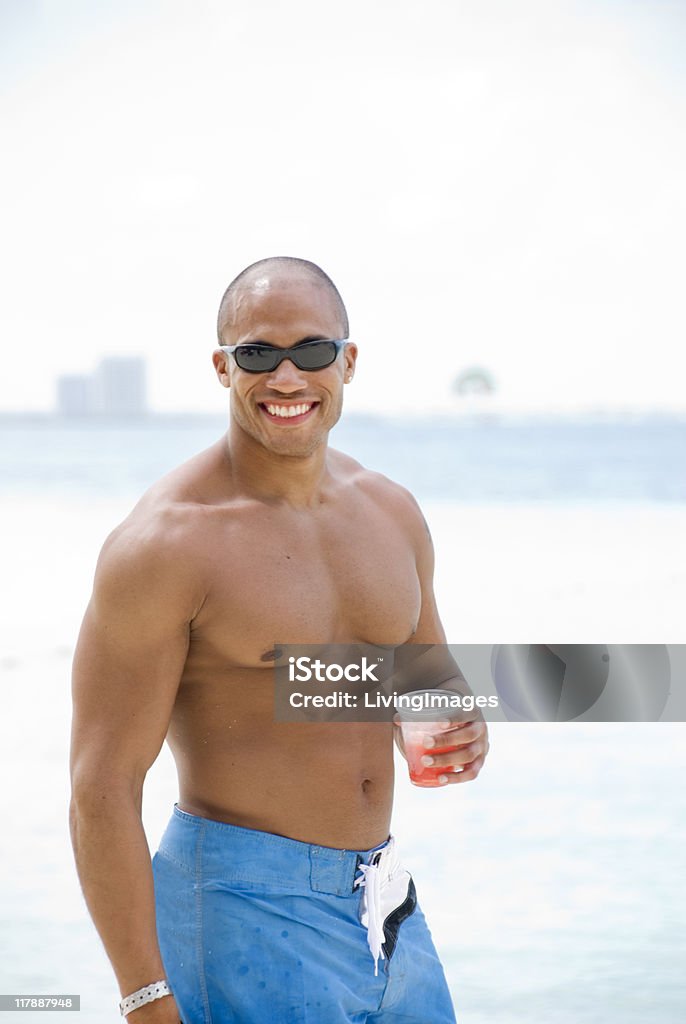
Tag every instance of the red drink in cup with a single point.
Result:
(418, 723)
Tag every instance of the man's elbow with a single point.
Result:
(99, 790)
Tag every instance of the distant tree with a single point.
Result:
(475, 380)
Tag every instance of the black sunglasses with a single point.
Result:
(261, 358)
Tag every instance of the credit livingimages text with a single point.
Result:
(399, 701)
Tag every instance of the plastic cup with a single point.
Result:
(415, 726)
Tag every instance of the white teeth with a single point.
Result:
(286, 411)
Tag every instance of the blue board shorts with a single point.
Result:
(256, 928)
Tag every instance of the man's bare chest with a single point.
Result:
(343, 582)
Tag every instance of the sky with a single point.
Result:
(489, 183)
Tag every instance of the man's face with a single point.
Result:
(283, 312)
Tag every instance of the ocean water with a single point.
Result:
(473, 460)
(553, 884)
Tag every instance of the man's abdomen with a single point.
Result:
(330, 784)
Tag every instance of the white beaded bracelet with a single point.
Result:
(148, 994)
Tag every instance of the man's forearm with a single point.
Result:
(113, 862)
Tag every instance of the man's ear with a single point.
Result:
(350, 359)
(221, 365)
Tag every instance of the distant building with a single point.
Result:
(74, 395)
(119, 387)
(116, 388)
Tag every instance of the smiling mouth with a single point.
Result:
(294, 412)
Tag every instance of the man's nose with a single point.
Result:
(286, 377)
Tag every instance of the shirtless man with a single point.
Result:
(251, 908)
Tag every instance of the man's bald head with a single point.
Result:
(277, 268)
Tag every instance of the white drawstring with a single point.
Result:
(374, 878)
(371, 880)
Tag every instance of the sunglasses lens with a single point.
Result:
(314, 355)
(256, 358)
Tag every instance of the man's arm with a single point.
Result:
(470, 736)
(128, 663)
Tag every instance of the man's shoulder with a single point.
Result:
(167, 523)
(388, 495)
(154, 542)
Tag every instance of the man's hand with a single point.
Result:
(469, 742)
